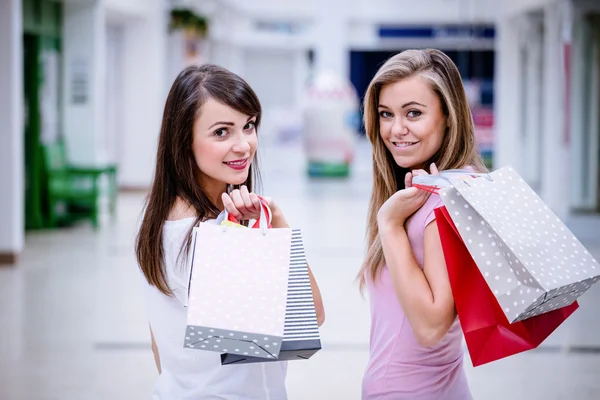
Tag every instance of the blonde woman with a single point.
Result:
(418, 120)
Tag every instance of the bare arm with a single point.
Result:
(280, 222)
(425, 295)
(155, 351)
(318, 300)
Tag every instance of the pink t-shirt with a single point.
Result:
(399, 367)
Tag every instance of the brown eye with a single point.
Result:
(221, 132)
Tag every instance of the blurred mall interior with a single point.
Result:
(82, 87)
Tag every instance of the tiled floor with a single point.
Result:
(72, 324)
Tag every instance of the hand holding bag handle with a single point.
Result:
(263, 222)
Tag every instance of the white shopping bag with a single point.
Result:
(531, 261)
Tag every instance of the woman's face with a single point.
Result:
(224, 145)
(411, 121)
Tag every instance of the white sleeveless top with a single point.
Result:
(189, 374)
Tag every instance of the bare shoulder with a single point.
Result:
(181, 210)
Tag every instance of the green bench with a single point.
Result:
(73, 192)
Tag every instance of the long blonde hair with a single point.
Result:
(458, 147)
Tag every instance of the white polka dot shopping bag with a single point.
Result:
(528, 257)
(514, 268)
(239, 293)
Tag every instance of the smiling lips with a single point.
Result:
(403, 145)
(238, 165)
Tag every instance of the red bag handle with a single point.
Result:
(265, 209)
(430, 189)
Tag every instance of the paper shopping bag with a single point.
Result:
(301, 337)
(528, 257)
(488, 333)
(238, 289)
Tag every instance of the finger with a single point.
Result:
(248, 203)
(230, 206)
(255, 201)
(419, 172)
(408, 180)
(236, 197)
(413, 192)
(434, 170)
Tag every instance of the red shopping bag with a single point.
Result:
(488, 333)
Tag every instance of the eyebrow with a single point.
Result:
(410, 103)
(230, 123)
(221, 123)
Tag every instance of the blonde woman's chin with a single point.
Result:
(407, 163)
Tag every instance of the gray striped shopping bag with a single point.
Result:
(301, 337)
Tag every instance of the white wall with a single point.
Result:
(335, 26)
(11, 129)
(138, 62)
(585, 108)
(532, 94)
(532, 134)
(115, 110)
(126, 9)
(84, 54)
(507, 99)
(144, 93)
(276, 89)
(554, 148)
(281, 70)
(395, 11)
(523, 109)
(229, 34)
(228, 55)
(332, 28)
(274, 9)
(510, 8)
(330, 37)
(423, 12)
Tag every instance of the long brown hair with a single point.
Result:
(176, 169)
(458, 147)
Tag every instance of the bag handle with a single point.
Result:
(263, 222)
(433, 183)
(462, 172)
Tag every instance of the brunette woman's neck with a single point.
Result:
(181, 210)
(213, 189)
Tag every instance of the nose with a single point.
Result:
(241, 144)
(398, 127)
